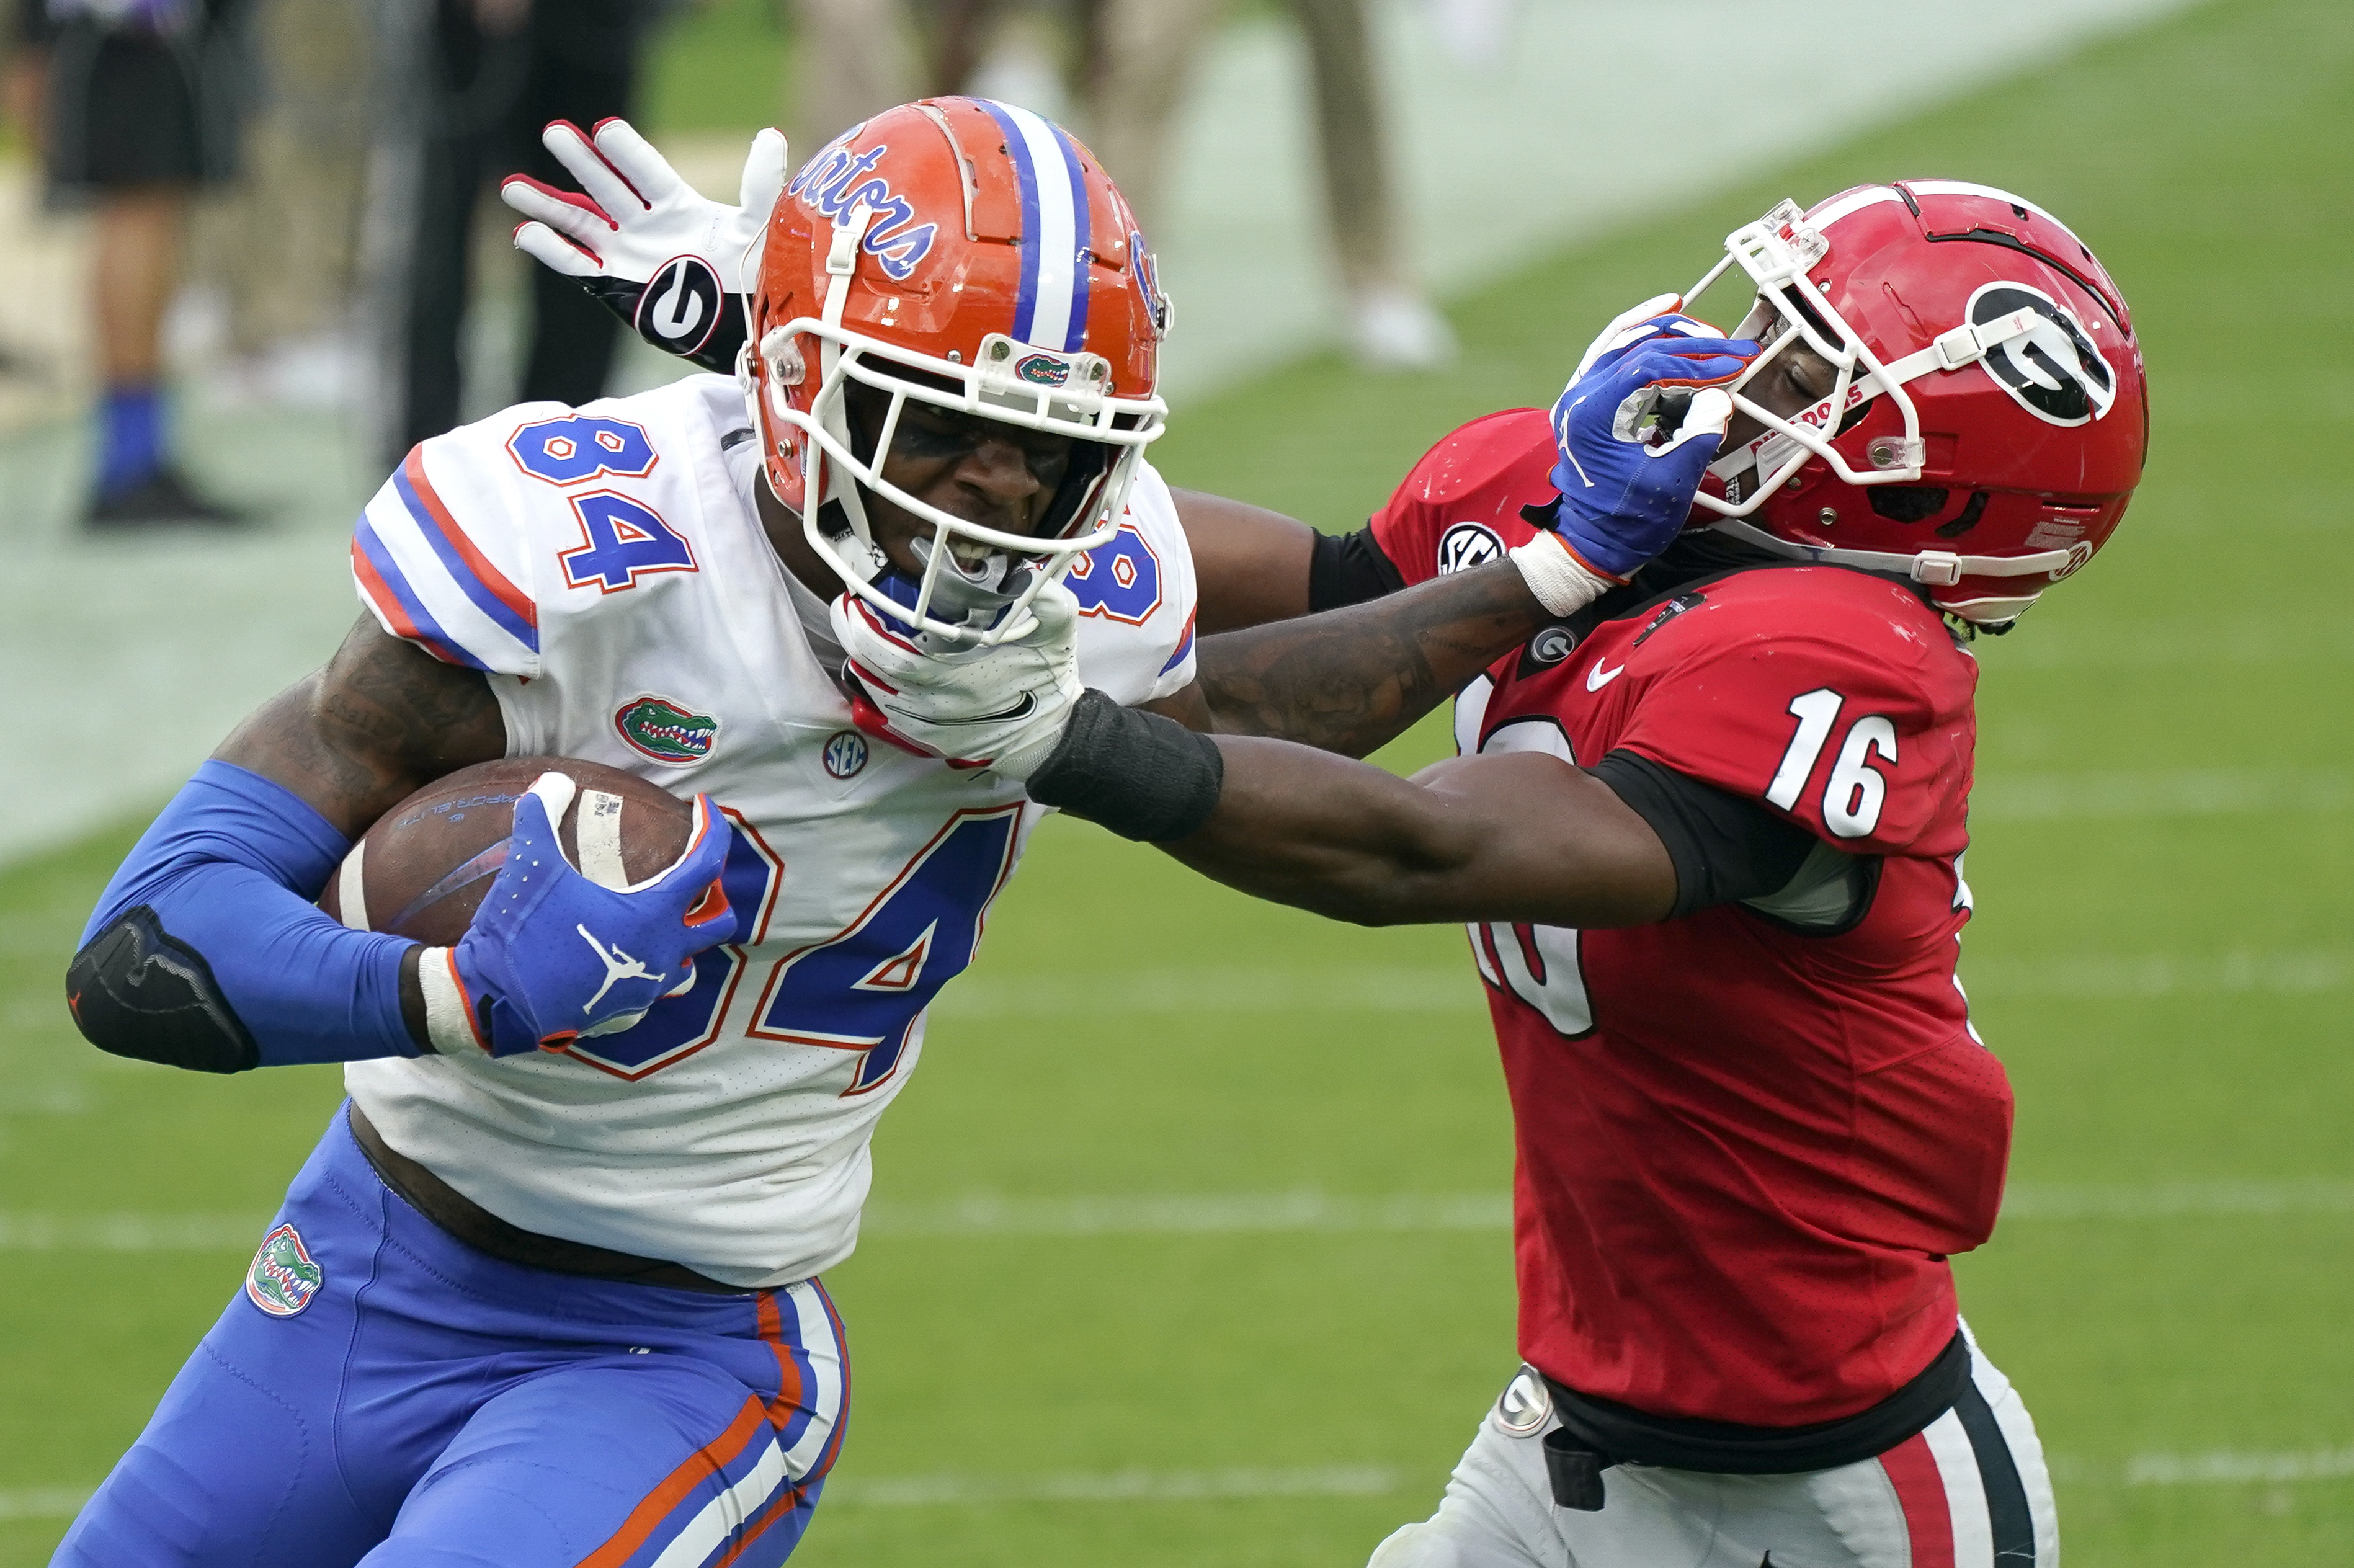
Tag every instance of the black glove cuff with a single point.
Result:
(1142, 776)
(682, 312)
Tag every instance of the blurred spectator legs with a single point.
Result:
(281, 248)
(493, 78)
(1141, 60)
(133, 120)
(854, 58)
(136, 240)
(1392, 326)
(1135, 60)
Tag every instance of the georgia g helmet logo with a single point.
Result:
(681, 305)
(2052, 371)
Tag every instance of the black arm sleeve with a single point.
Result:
(1349, 569)
(1725, 848)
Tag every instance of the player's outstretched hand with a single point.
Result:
(552, 956)
(671, 262)
(1636, 428)
(1001, 708)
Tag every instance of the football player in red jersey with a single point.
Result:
(1706, 832)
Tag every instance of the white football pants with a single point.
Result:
(1969, 1492)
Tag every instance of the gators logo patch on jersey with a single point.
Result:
(285, 1277)
(662, 729)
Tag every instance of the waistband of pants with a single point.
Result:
(467, 1221)
(1611, 1433)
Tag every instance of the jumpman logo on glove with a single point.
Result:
(618, 966)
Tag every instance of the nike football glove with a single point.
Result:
(1001, 708)
(671, 263)
(552, 956)
(1637, 430)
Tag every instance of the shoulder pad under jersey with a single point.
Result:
(1462, 505)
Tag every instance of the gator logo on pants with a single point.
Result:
(284, 1277)
(666, 732)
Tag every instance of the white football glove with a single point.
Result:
(671, 262)
(1001, 708)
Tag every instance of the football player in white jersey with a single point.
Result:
(551, 1279)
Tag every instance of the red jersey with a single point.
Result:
(1744, 1151)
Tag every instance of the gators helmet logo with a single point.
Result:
(660, 728)
(1041, 370)
(285, 1276)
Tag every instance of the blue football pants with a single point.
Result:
(381, 1394)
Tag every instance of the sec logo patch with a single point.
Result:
(285, 1277)
(845, 753)
(1467, 545)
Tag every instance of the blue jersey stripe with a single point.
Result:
(502, 614)
(388, 572)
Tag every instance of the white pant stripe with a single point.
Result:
(724, 1515)
(814, 1330)
(1957, 1466)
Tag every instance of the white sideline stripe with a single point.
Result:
(132, 1233)
(2225, 1468)
(1216, 990)
(934, 1491)
(43, 1502)
(2198, 792)
(1114, 1485)
(2287, 973)
(1240, 1214)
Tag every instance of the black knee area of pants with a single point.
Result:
(136, 991)
(1142, 776)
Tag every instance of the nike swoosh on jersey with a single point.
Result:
(1598, 677)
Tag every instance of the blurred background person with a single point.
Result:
(135, 104)
(472, 82)
(277, 252)
(1128, 63)
(856, 57)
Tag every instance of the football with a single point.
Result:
(423, 870)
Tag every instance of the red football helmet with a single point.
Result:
(1990, 415)
(968, 255)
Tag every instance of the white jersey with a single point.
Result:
(607, 568)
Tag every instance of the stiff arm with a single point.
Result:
(1349, 681)
(1518, 837)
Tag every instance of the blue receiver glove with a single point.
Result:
(552, 956)
(1637, 430)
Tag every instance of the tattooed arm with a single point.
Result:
(1350, 680)
(383, 720)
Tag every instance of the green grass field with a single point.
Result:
(2166, 825)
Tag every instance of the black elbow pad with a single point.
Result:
(136, 991)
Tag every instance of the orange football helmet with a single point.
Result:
(972, 255)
